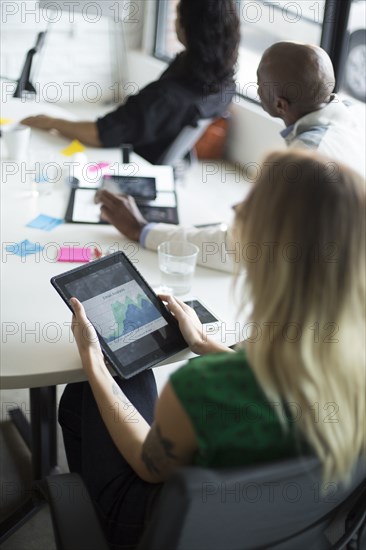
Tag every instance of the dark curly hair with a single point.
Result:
(212, 32)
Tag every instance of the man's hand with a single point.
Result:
(41, 122)
(122, 212)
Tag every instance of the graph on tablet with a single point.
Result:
(123, 315)
(134, 328)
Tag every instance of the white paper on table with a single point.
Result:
(85, 209)
(163, 200)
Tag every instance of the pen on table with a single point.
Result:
(215, 224)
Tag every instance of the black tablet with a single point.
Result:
(134, 328)
(139, 187)
(81, 207)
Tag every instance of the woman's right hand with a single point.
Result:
(85, 334)
(191, 327)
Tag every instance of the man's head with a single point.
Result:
(294, 79)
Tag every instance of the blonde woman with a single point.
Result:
(295, 387)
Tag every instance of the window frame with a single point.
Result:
(334, 36)
(161, 16)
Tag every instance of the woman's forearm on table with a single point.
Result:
(86, 132)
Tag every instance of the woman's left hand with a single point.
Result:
(191, 327)
(84, 332)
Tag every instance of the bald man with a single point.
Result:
(296, 83)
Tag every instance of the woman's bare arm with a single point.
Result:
(86, 132)
(153, 453)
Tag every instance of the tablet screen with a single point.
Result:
(138, 187)
(135, 329)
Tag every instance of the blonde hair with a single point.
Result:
(306, 218)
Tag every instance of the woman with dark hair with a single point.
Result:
(198, 84)
(211, 37)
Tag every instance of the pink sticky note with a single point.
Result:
(98, 166)
(80, 255)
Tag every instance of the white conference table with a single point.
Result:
(37, 348)
(38, 351)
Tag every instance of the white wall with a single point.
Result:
(144, 68)
(82, 59)
(253, 134)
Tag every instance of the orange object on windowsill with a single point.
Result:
(212, 144)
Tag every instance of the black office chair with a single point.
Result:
(274, 507)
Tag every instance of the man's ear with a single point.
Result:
(282, 106)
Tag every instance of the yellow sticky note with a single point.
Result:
(74, 147)
(4, 121)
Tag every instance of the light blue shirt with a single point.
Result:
(287, 131)
(144, 233)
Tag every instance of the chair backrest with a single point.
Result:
(184, 142)
(280, 506)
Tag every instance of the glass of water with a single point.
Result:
(44, 171)
(177, 262)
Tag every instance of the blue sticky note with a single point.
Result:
(24, 248)
(40, 179)
(46, 223)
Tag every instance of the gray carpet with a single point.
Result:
(15, 460)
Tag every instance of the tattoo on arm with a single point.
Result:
(157, 452)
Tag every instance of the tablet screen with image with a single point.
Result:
(141, 188)
(134, 328)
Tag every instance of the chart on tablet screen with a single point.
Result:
(123, 315)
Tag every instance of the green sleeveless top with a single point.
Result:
(234, 422)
